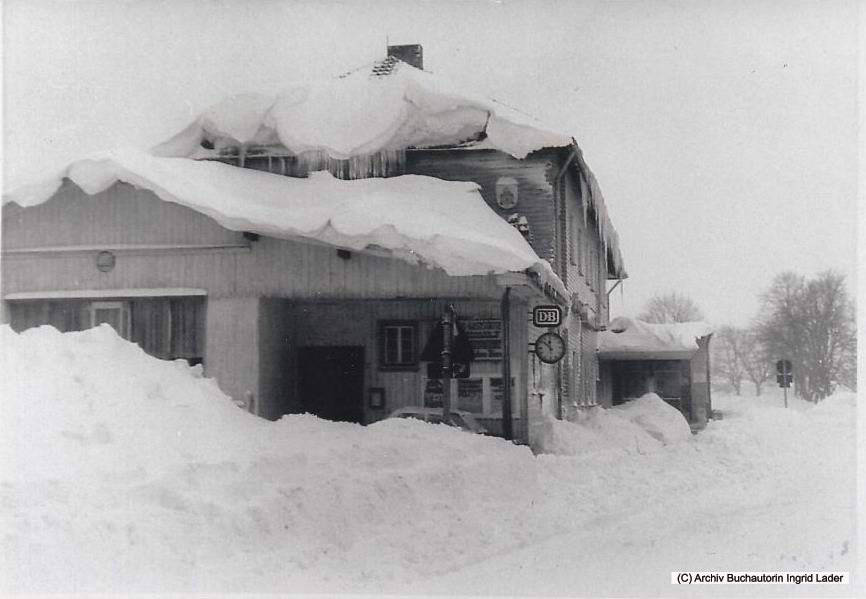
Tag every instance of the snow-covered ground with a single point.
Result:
(124, 473)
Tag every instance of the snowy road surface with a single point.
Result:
(772, 490)
(124, 473)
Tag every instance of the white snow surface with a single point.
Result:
(625, 335)
(362, 113)
(120, 472)
(642, 426)
(418, 218)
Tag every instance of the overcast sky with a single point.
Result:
(723, 134)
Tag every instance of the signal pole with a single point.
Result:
(784, 376)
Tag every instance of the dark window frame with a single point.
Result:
(382, 353)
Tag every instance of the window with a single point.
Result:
(115, 314)
(398, 345)
(170, 328)
(166, 328)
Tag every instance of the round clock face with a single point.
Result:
(550, 348)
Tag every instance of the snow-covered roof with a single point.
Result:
(628, 337)
(391, 106)
(420, 219)
(364, 112)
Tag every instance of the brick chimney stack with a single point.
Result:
(411, 54)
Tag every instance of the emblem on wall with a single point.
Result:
(506, 192)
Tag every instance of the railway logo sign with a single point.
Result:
(547, 315)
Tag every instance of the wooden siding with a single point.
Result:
(699, 371)
(277, 369)
(588, 281)
(484, 167)
(268, 267)
(231, 345)
(120, 215)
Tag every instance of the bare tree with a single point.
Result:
(727, 353)
(754, 358)
(811, 323)
(670, 307)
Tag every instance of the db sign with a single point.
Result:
(546, 316)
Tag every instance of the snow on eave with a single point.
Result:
(361, 113)
(419, 219)
(628, 336)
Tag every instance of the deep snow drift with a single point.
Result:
(121, 472)
(641, 426)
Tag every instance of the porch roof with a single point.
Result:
(632, 339)
(419, 219)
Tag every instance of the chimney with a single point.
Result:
(410, 53)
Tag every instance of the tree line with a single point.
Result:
(809, 321)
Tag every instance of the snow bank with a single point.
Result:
(110, 456)
(628, 335)
(661, 421)
(765, 489)
(120, 472)
(418, 218)
(85, 403)
(643, 425)
(364, 113)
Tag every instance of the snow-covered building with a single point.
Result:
(671, 360)
(302, 247)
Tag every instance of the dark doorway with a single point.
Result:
(332, 382)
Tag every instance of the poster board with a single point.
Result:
(485, 335)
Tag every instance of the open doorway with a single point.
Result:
(331, 382)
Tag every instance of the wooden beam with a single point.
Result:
(507, 421)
